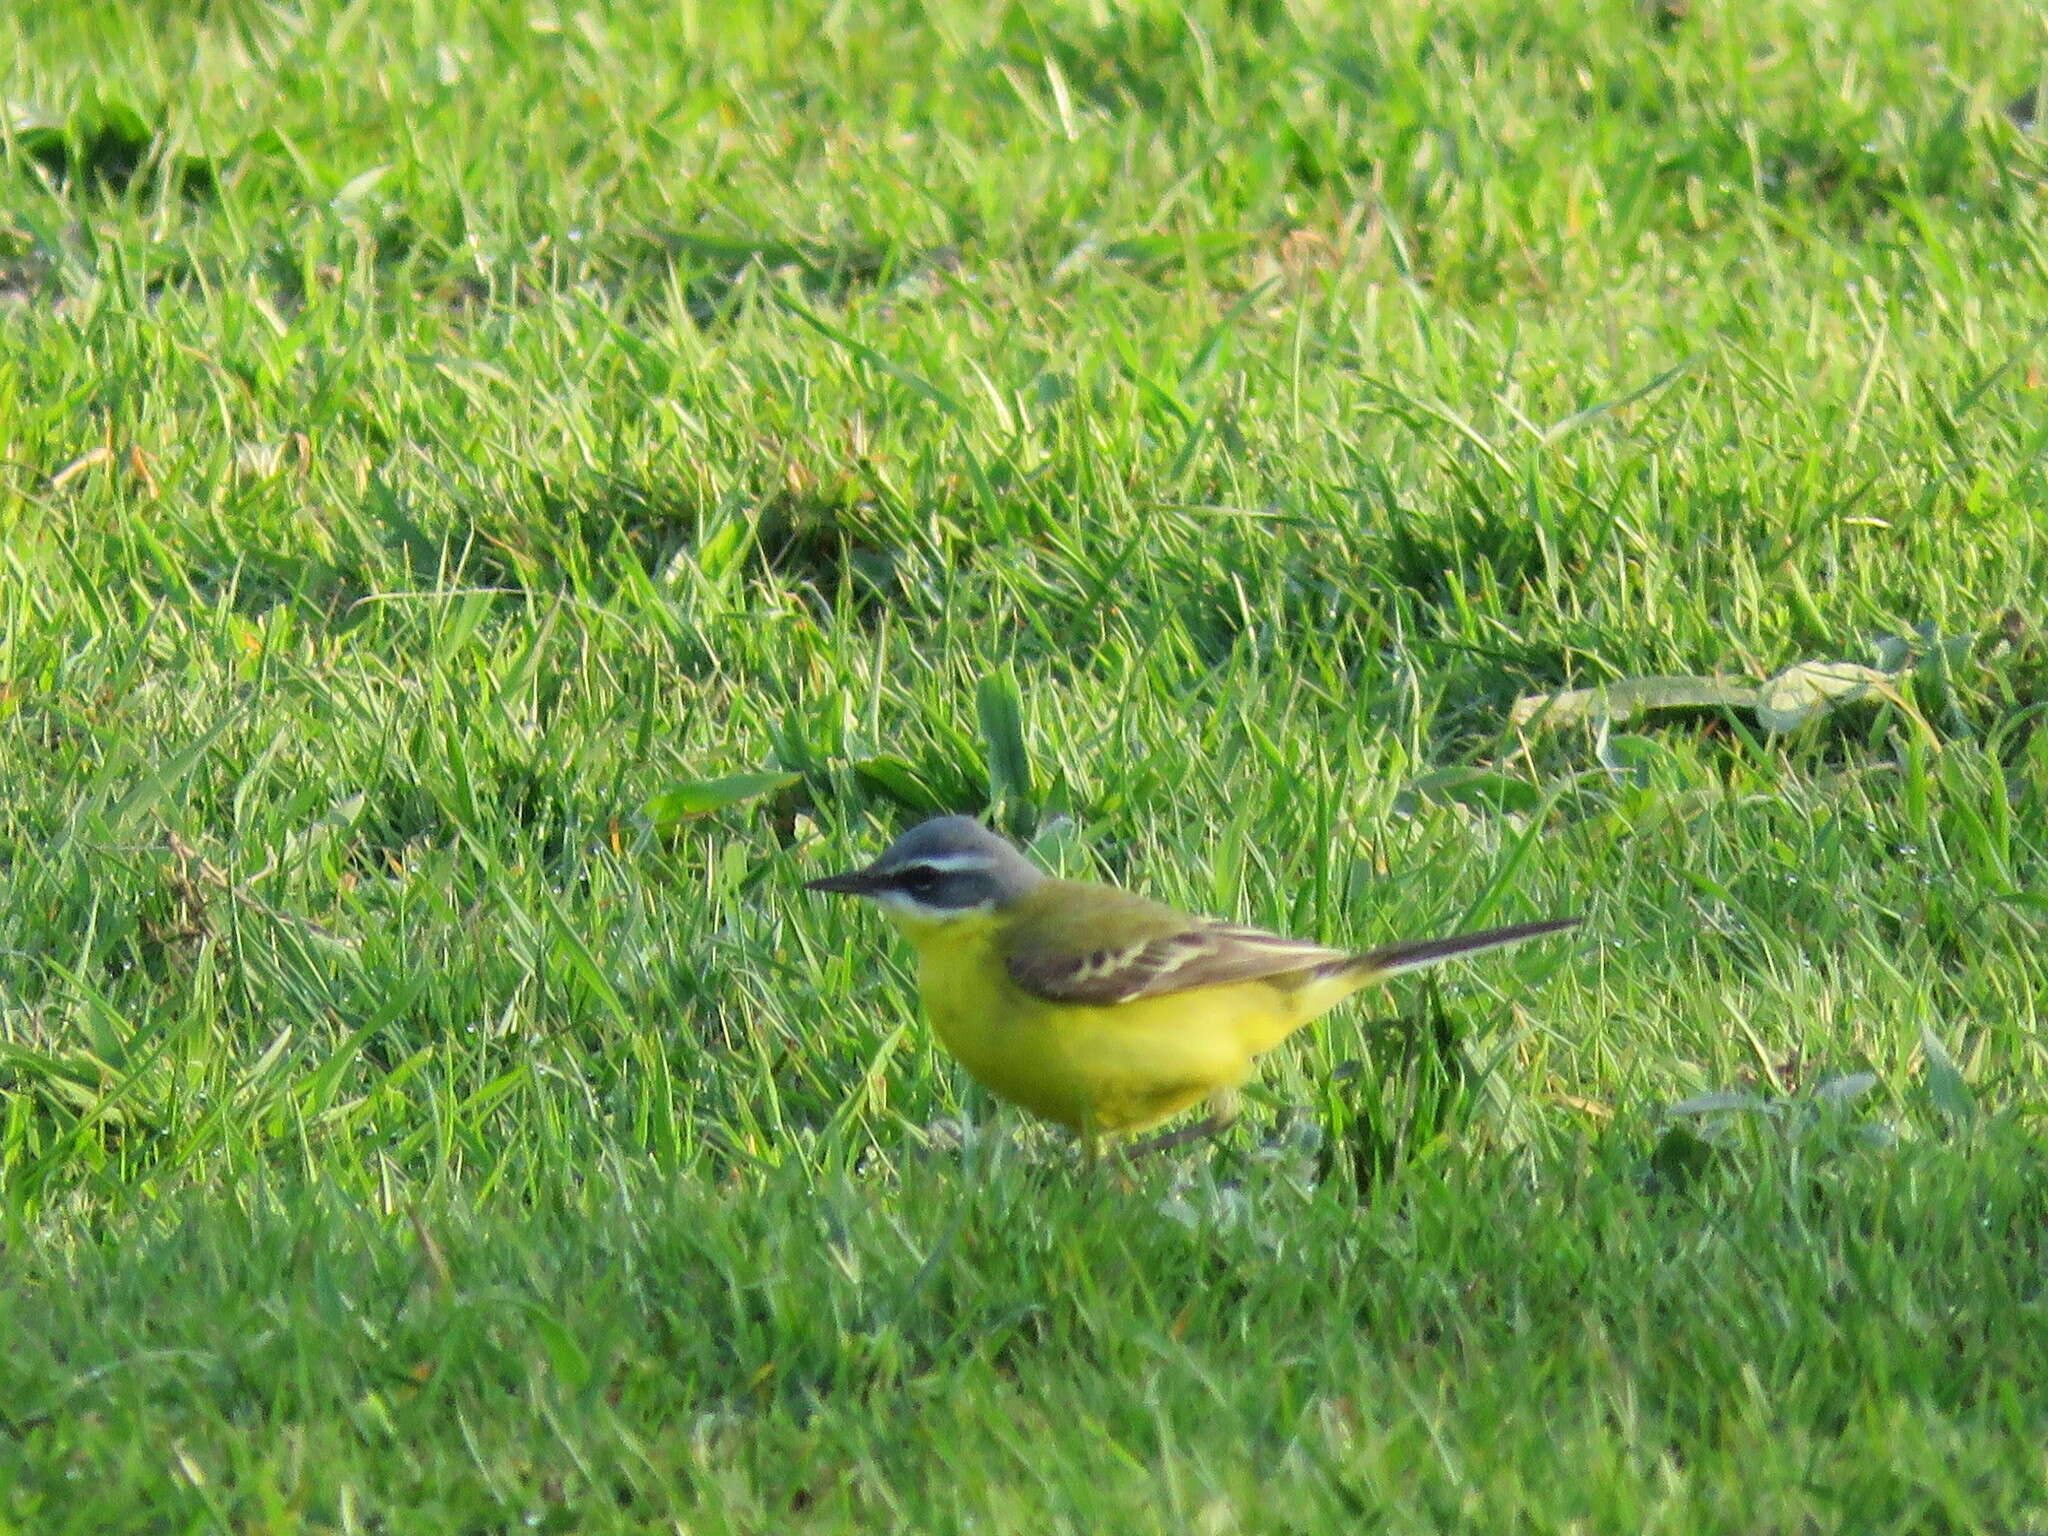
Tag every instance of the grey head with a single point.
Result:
(948, 865)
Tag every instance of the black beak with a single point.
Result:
(856, 882)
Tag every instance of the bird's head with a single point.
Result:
(940, 872)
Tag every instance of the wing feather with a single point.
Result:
(1195, 954)
(1097, 945)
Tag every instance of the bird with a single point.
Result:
(1099, 1009)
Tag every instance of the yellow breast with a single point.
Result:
(1102, 1069)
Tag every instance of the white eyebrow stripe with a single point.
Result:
(945, 863)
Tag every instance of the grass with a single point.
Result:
(429, 436)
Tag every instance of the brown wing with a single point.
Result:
(1196, 954)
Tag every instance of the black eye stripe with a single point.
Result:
(940, 887)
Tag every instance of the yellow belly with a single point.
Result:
(1104, 1070)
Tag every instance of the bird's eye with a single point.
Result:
(920, 881)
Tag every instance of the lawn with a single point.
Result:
(493, 495)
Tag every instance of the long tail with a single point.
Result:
(1392, 959)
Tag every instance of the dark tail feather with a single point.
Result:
(1392, 959)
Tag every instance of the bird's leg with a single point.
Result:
(1090, 1137)
(1222, 1106)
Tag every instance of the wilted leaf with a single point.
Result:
(358, 187)
(1811, 688)
(1945, 1084)
(1624, 700)
(1482, 788)
(1630, 758)
(1893, 652)
(1718, 1104)
(1844, 1089)
(703, 796)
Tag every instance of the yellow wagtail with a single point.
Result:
(1097, 1008)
